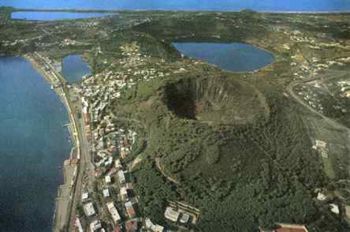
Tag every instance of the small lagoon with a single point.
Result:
(235, 57)
(54, 15)
(74, 68)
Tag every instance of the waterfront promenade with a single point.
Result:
(74, 168)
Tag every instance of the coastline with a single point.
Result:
(65, 191)
(121, 10)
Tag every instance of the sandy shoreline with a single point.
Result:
(63, 204)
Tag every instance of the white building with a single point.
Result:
(78, 225)
(153, 227)
(84, 197)
(106, 193)
(108, 179)
(321, 197)
(113, 211)
(171, 214)
(121, 176)
(319, 144)
(117, 164)
(89, 209)
(123, 193)
(334, 208)
(130, 209)
(95, 225)
(184, 218)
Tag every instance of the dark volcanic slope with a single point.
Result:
(215, 100)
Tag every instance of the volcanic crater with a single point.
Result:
(220, 100)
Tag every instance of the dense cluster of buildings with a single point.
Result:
(116, 204)
(305, 66)
(344, 86)
(117, 199)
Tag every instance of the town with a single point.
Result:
(163, 141)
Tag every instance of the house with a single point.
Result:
(78, 225)
(291, 228)
(108, 162)
(321, 197)
(149, 224)
(117, 229)
(117, 164)
(171, 214)
(121, 176)
(106, 193)
(89, 209)
(334, 208)
(129, 186)
(113, 211)
(287, 228)
(123, 193)
(84, 197)
(184, 218)
(130, 209)
(158, 228)
(320, 144)
(131, 226)
(108, 179)
(124, 152)
(153, 227)
(112, 171)
(95, 225)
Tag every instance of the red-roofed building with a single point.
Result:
(130, 209)
(117, 229)
(287, 228)
(131, 226)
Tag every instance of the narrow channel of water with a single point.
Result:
(34, 143)
(235, 57)
(74, 68)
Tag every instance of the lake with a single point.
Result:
(236, 57)
(226, 5)
(33, 146)
(74, 68)
(50, 16)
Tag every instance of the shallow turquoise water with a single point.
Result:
(49, 16)
(74, 68)
(231, 5)
(236, 57)
(33, 146)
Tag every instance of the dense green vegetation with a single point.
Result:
(5, 14)
(240, 176)
(191, 27)
(155, 192)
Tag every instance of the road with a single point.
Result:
(85, 168)
(78, 135)
(85, 165)
(330, 121)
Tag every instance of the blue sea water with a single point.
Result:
(236, 57)
(49, 16)
(33, 141)
(229, 5)
(33, 146)
(74, 68)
